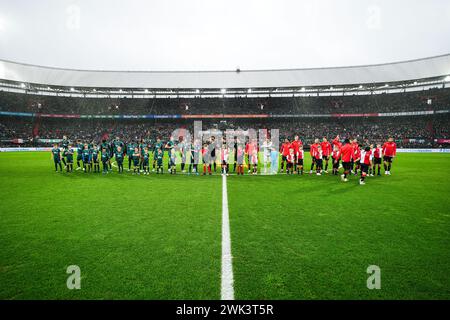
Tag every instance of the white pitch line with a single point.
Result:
(227, 290)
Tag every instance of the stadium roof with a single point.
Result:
(427, 68)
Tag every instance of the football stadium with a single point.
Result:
(310, 183)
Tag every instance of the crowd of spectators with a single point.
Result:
(412, 131)
(433, 99)
(422, 130)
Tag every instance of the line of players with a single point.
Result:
(90, 156)
(350, 155)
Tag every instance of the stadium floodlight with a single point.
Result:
(22, 85)
(146, 90)
(360, 86)
(303, 89)
(249, 90)
(197, 91)
(94, 90)
(447, 79)
(72, 89)
(223, 91)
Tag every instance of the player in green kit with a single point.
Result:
(86, 158)
(130, 149)
(169, 146)
(80, 147)
(136, 160)
(95, 159)
(68, 154)
(115, 144)
(65, 146)
(158, 146)
(56, 156)
(159, 161)
(105, 159)
(142, 146)
(119, 158)
(145, 161)
(105, 145)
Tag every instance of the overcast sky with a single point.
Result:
(221, 34)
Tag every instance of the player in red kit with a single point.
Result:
(300, 156)
(377, 156)
(366, 163)
(319, 160)
(337, 142)
(389, 152)
(249, 150)
(346, 155)
(336, 157)
(312, 151)
(284, 152)
(356, 156)
(290, 162)
(206, 159)
(326, 152)
(296, 145)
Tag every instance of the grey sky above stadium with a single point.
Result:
(221, 34)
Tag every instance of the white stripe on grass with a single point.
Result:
(227, 290)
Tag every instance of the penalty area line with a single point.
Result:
(227, 289)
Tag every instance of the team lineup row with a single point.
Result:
(349, 155)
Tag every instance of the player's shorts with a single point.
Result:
(289, 165)
(95, 159)
(387, 159)
(326, 158)
(283, 158)
(145, 162)
(299, 162)
(57, 160)
(79, 157)
(336, 164)
(136, 162)
(364, 168)
(377, 160)
(224, 163)
(119, 161)
(313, 160)
(87, 159)
(318, 162)
(357, 162)
(347, 165)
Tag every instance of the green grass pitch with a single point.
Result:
(159, 236)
